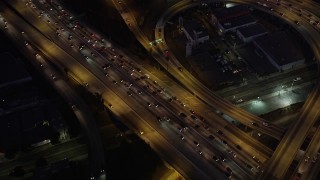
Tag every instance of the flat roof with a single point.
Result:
(11, 71)
(231, 12)
(252, 30)
(238, 22)
(280, 47)
(193, 25)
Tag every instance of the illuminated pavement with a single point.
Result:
(279, 99)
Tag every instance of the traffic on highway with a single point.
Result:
(206, 140)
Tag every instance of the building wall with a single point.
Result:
(200, 40)
(193, 37)
(189, 37)
(279, 67)
(292, 65)
(188, 49)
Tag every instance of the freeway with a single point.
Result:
(187, 79)
(285, 144)
(67, 38)
(204, 93)
(307, 167)
(119, 106)
(131, 25)
(124, 93)
(251, 143)
(110, 73)
(216, 118)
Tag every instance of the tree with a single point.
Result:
(55, 137)
(18, 171)
(41, 162)
(10, 154)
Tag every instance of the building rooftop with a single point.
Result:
(238, 22)
(252, 30)
(224, 14)
(280, 47)
(11, 71)
(192, 26)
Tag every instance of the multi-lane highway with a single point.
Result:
(144, 109)
(280, 9)
(158, 111)
(208, 96)
(191, 83)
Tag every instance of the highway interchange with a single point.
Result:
(272, 7)
(194, 142)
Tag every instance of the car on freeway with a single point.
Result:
(211, 137)
(53, 76)
(215, 158)
(223, 158)
(193, 117)
(183, 115)
(167, 119)
(254, 124)
(249, 166)
(229, 170)
(220, 132)
(265, 124)
(299, 175)
(224, 142)
(228, 175)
